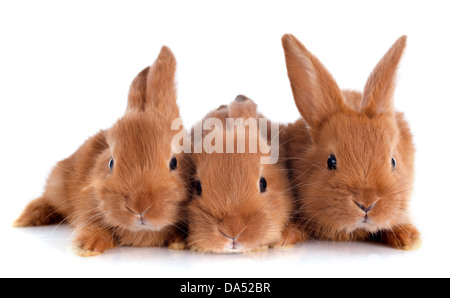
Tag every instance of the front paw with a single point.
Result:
(259, 249)
(177, 241)
(405, 237)
(87, 245)
(289, 237)
(177, 246)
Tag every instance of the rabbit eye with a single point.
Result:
(173, 164)
(198, 187)
(393, 163)
(262, 184)
(332, 162)
(111, 164)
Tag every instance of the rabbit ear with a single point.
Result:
(137, 94)
(316, 93)
(154, 87)
(161, 91)
(242, 107)
(378, 95)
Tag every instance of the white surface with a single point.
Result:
(65, 70)
(44, 251)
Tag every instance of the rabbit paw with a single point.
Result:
(87, 245)
(37, 213)
(405, 237)
(177, 242)
(290, 236)
(177, 246)
(259, 249)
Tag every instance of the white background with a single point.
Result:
(65, 69)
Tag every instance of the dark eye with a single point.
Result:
(393, 163)
(332, 162)
(111, 164)
(173, 164)
(198, 187)
(262, 184)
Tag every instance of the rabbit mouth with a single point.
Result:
(145, 225)
(233, 247)
(233, 251)
(365, 224)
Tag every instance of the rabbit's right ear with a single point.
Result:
(154, 88)
(316, 93)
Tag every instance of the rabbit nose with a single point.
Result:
(364, 208)
(136, 212)
(229, 237)
(141, 221)
(233, 239)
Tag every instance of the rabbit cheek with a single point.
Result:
(386, 215)
(154, 221)
(119, 217)
(110, 208)
(203, 239)
(158, 217)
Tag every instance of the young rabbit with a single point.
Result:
(122, 186)
(351, 156)
(239, 204)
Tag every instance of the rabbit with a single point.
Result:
(123, 186)
(351, 155)
(238, 204)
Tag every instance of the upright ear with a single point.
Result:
(154, 88)
(378, 94)
(242, 107)
(316, 93)
(161, 88)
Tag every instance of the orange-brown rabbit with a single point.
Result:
(122, 186)
(351, 156)
(240, 203)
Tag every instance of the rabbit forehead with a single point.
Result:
(229, 167)
(356, 134)
(140, 136)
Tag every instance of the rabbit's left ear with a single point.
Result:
(161, 91)
(378, 94)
